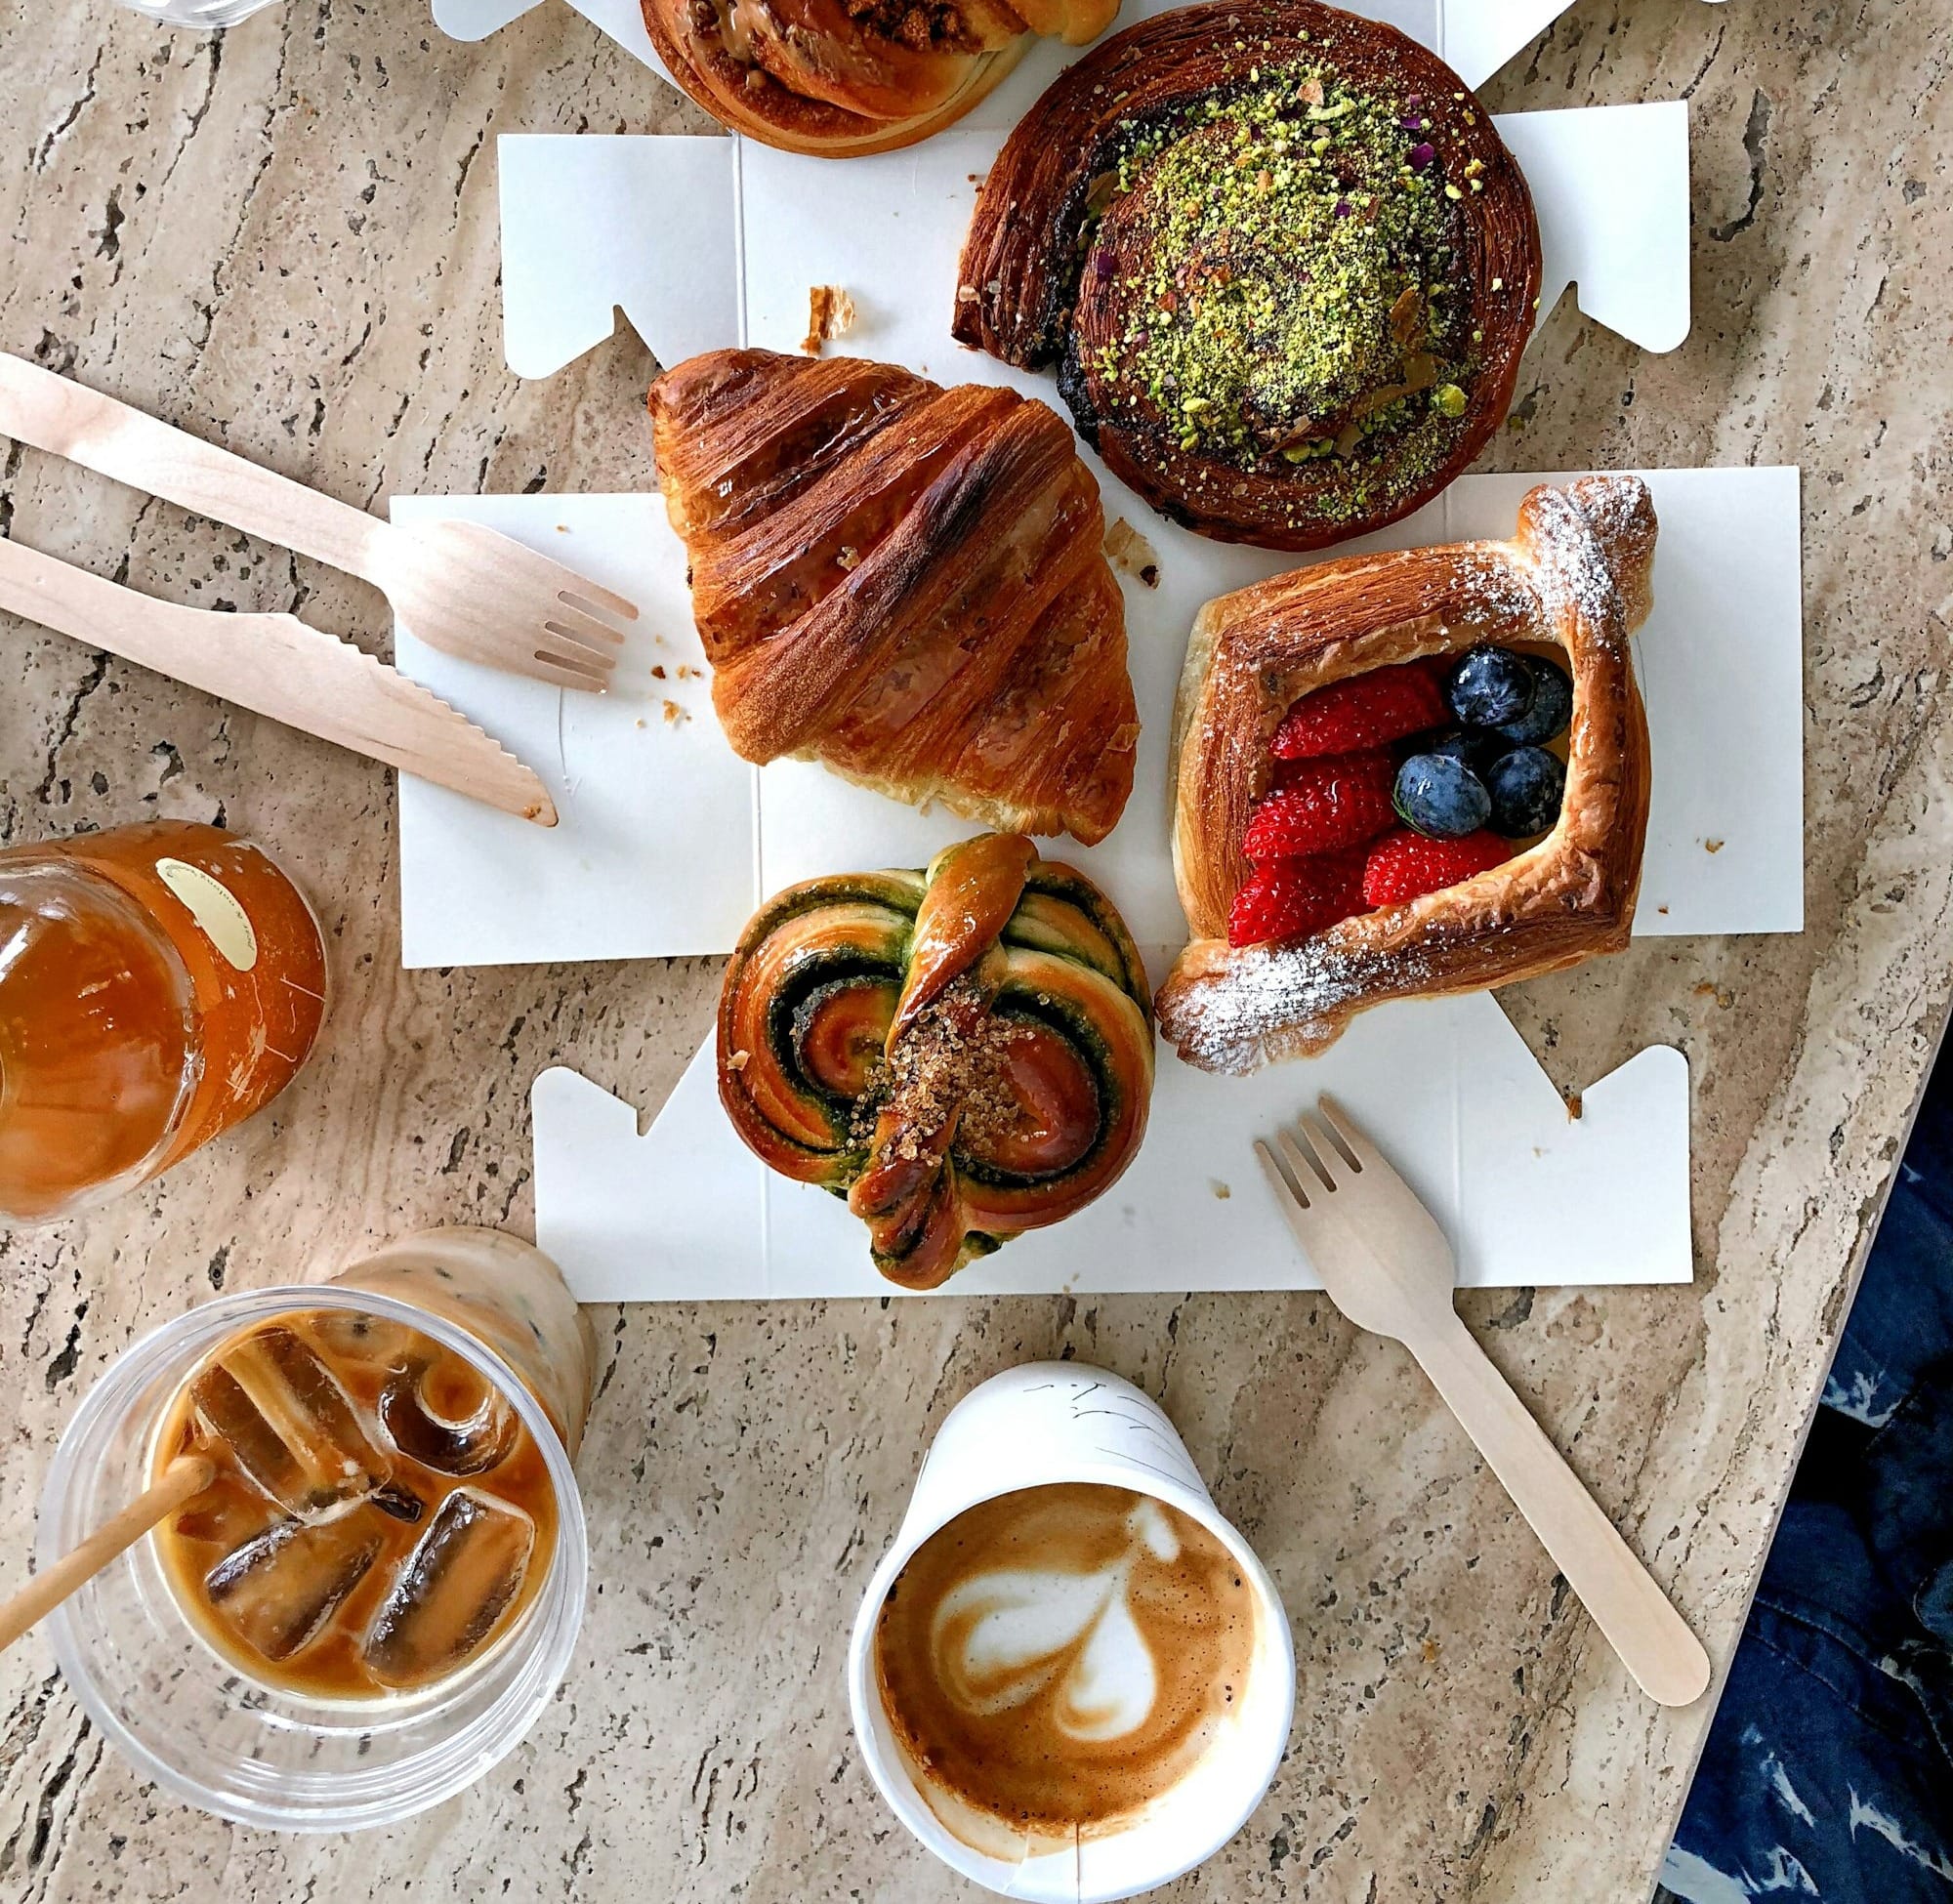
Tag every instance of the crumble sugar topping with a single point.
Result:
(951, 1064)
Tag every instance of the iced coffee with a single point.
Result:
(381, 1517)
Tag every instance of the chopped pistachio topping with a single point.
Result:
(1286, 264)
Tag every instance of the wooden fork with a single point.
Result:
(1388, 1266)
(460, 587)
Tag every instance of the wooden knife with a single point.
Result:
(275, 665)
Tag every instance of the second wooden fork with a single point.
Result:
(1386, 1263)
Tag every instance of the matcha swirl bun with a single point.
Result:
(1280, 258)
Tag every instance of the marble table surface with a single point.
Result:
(284, 238)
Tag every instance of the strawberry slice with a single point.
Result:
(1322, 806)
(1294, 898)
(1365, 711)
(1405, 865)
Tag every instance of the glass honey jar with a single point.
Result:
(159, 983)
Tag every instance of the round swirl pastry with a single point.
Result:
(963, 1054)
(837, 77)
(1281, 259)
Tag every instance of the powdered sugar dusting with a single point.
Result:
(1222, 1020)
(1569, 562)
(1489, 586)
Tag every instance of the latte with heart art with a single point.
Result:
(1054, 1659)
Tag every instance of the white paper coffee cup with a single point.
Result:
(1044, 1423)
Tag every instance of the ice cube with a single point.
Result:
(277, 1590)
(288, 1423)
(399, 1501)
(466, 1573)
(447, 1414)
(347, 1335)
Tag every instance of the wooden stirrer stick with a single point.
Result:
(182, 1480)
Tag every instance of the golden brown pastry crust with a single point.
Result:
(1033, 288)
(822, 77)
(965, 1054)
(1575, 577)
(904, 582)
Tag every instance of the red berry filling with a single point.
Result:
(1365, 711)
(1405, 865)
(1323, 806)
(1325, 841)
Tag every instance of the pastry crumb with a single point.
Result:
(1222, 1191)
(657, 671)
(738, 1060)
(1575, 1106)
(1712, 845)
(686, 671)
(830, 311)
(674, 714)
(1127, 549)
(849, 557)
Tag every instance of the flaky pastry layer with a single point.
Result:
(1575, 578)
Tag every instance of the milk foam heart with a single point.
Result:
(1057, 1657)
(1002, 1637)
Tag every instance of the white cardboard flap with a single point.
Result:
(595, 221)
(1625, 249)
(1529, 1194)
(569, 264)
(667, 842)
(622, 19)
(1476, 37)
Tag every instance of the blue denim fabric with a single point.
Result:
(1829, 1770)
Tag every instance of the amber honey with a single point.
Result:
(158, 984)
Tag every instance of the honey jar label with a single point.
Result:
(216, 910)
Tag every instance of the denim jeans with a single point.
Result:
(1829, 1768)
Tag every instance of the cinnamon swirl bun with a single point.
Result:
(838, 77)
(963, 1054)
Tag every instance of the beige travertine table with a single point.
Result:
(285, 238)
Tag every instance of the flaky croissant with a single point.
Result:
(965, 1054)
(838, 77)
(1573, 580)
(904, 582)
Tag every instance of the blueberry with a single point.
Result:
(1440, 797)
(1489, 687)
(1551, 706)
(1525, 788)
(1477, 747)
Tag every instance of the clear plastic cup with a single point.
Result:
(206, 14)
(185, 1718)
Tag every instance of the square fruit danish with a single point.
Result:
(1410, 773)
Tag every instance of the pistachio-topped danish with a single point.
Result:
(963, 1054)
(1282, 260)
